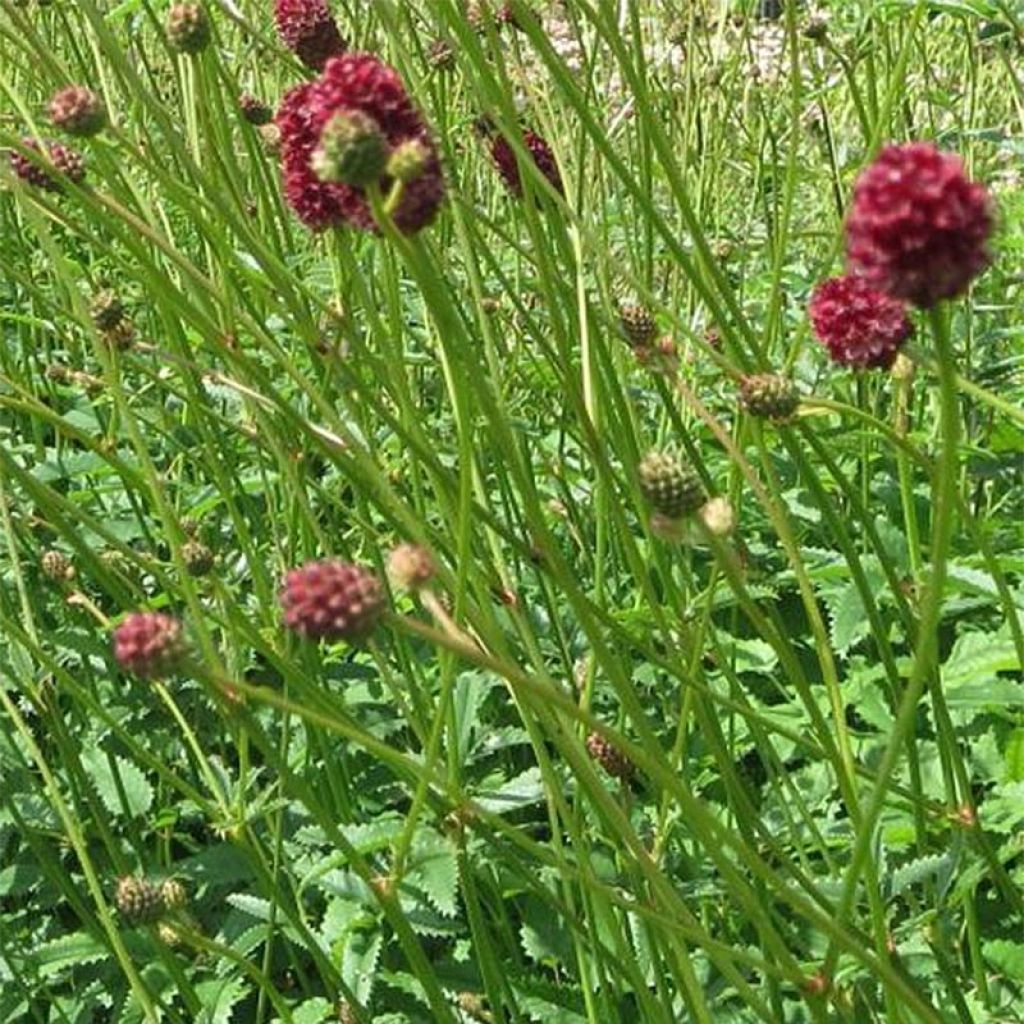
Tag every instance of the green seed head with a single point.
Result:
(352, 150)
(769, 396)
(673, 490)
(188, 28)
(408, 161)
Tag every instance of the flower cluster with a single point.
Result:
(307, 28)
(66, 162)
(357, 86)
(918, 228)
(504, 158)
(860, 326)
(332, 600)
(917, 232)
(149, 644)
(77, 110)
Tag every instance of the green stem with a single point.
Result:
(926, 651)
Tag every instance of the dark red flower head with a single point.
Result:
(504, 158)
(66, 162)
(149, 644)
(918, 228)
(254, 110)
(354, 82)
(78, 110)
(333, 600)
(861, 327)
(307, 28)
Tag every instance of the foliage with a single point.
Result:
(825, 814)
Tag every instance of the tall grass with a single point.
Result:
(822, 709)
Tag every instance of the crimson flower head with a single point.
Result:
(149, 644)
(504, 158)
(66, 162)
(308, 29)
(860, 327)
(78, 110)
(918, 228)
(361, 84)
(332, 600)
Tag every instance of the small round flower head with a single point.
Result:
(149, 644)
(60, 373)
(254, 110)
(408, 161)
(138, 900)
(188, 28)
(309, 30)
(332, 600)
(637, 325)
(106, 310)
(769, 396)
(410, 567)
(504, 158)
(57, 567)
(197, 556)
(78, 111)
(718, 516)
(861, 327)
(611, 760)
(816, 25)
(918, 229)
(351, 150)
(271, 136)
(173, 893)
(66, 162)
(903, 368)
(672, 489)
(441, 55)
(354, 82)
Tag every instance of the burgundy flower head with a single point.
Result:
(254, 110)
(861, 327)
(333, 600)
(504, 158)
(307, 28)
(354, 82)
(918, 228)
(78, 110)
(67, 162)
(149, 644)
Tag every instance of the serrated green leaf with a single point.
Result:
(359, 963)
(1004, 693)
(544, 936)
(218, 998)
(105, 777)
(1003, 810)
(254, 906)
(964, 578)
(1015, 756)
(753, 655)
(68, 951)
(433, 868)
(471, 690)
(917, 871)
(894, 542)
(848, 621)
(977, 657)
(509, 795)
(340, 915)
(245, 944)
(543, 1001)
(1008, 957)
(313, 1011)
